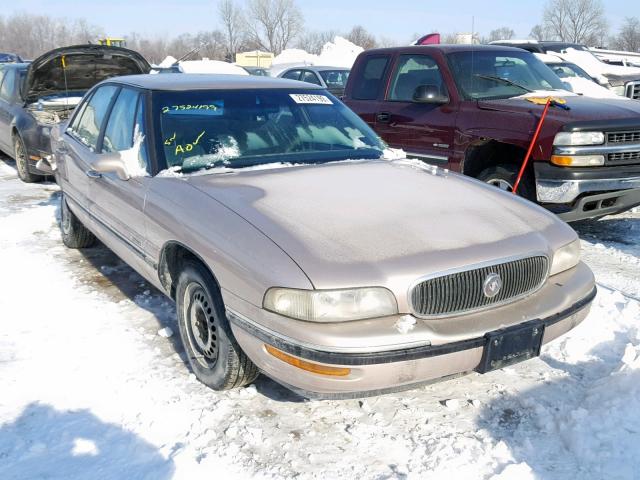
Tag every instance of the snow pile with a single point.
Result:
(585, 87)
(593, 65)
(168, 61)
(339, 53)
(93, 384)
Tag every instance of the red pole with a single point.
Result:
(533, 143)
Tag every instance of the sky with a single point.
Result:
(397, 19)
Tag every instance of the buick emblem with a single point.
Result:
(492, 285)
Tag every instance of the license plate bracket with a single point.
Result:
(511, 345)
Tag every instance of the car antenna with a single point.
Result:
(191, 52)
(64, 75)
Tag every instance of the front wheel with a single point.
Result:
(214, 355)
(22, 161)
(504, 177)
(74, 233)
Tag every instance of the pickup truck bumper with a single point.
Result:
(589, 192)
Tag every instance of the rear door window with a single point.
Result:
(118, 135)
(310, 77)
(8, 85)
(292, 75)
(368, 88)
(87, 128)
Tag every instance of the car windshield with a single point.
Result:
(483, 75)
(335, 78)
(204, 129)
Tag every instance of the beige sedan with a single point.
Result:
(294, 243)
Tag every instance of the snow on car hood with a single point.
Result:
(78, 68)
(354, 223)
(595, 67)
(581, 107)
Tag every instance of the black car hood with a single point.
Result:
(82, 65)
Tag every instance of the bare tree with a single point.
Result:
(361, 37)
(233, 25)
(539, 33)
(449, 38)
(273, 24)
(313, 42)
(502, 33)
(629, 36)
(579, 21)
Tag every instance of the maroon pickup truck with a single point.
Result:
(465, 108)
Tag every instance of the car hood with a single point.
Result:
(581, 107)
(78, 68)
(359, 223)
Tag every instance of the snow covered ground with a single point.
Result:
(93, 384)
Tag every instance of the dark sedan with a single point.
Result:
(38, 95)
(333, 79)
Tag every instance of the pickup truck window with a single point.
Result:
(369, 85)
(478, 74)
(238, 128)
(413, 71)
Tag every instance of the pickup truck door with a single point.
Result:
(366, 87)
(423, 130)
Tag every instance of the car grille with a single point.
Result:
(462, 292)
(623, 158)
(633, 90)
(623, 137)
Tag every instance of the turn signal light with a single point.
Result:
(308, 366)
(578, 160)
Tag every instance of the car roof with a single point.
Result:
(444, 48)
(197, 81)
(16, 65)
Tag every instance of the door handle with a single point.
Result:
(93, 174)
(383, 117)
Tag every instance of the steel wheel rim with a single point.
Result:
(21, 161)
(501, 184)
(65, 219)
(200, 325)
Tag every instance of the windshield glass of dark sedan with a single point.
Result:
(483, 75)
(239, 128)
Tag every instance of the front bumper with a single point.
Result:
(374, 371)
(588, 192)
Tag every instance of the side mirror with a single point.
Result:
(111, 163)
(429, 94)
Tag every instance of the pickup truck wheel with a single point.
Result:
(74, 233)
(22, 161)
(214, 355)
(504, 177)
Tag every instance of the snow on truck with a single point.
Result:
(474, 110)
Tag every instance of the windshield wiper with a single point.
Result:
(503, 80)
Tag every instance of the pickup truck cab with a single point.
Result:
(468, 108)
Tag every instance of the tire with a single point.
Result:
(22, 161)
(504, 177)
(214, 355)
(74, 233)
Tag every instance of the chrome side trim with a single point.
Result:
(475, 266)
(425, 157)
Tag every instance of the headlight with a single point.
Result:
(331, 305)
(571, 139)
(566, 257)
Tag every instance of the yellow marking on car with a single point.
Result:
(199, 137)
(169, 141)
(187, 147)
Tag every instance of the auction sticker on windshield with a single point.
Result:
(310, 99)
